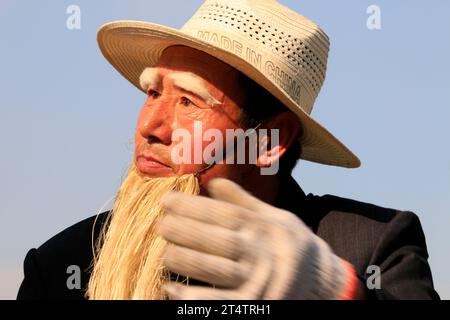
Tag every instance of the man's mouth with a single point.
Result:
(148, 164)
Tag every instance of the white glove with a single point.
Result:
(247, 249)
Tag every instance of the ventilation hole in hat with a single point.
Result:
(293, 49)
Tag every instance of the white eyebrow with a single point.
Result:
(149, 79)
(192, 83)
(187, 81)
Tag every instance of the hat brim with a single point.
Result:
(132, 46)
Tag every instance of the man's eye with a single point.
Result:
(153, 94)
(186, 102)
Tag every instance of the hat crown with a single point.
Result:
(286, 47)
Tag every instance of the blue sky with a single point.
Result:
(66, 117)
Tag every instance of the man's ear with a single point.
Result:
(289, 130)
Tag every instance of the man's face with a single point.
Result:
(186, 86)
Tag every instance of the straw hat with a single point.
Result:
(276, 47)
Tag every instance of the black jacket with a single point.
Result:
(363, 234)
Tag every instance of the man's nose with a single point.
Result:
(157, 124)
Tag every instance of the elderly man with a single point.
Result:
(188, 223)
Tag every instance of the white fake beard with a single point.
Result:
(127, 262)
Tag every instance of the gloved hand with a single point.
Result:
(247, 249)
